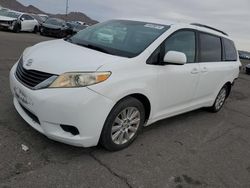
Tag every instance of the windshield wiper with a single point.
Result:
(94, 47)
(100, 49)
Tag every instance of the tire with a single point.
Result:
(16, 28)
(62, 34)
(41, 32)
(220, 100)
(35, 29)
(126, 131)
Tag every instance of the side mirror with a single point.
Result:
(174, 57)
(22, 19)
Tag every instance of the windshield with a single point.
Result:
(9, 14)
(119, 37)
(43, 18)
(38, 18)
(53, 21)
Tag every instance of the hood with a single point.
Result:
(59, 56)
(52, 26)
(4, 18)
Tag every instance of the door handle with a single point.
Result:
(195, 71)
(204, 69)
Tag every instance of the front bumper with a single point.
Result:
(52, 32)
(79, 107)
(6, 24)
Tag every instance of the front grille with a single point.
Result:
(30, 78)
(30, 114)
(5, 22)
(51, 31)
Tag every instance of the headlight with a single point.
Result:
(70, 80)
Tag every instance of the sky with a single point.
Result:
(231, 16)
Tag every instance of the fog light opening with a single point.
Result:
(70, 129)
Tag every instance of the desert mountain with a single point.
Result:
(72, 16)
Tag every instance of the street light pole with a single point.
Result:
(67, 7)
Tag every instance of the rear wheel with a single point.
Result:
(123, 124)
(35, 29)
(42, 31)
(220, 99)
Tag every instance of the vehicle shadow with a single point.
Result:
(167, 122)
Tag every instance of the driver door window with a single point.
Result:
(23, 18)
(182, 41)
(27, 17)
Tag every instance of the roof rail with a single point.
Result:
(208, 27)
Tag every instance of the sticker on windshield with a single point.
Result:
(154, 26)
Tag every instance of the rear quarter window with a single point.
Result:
(230, 50)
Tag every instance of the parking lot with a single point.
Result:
(197, 149)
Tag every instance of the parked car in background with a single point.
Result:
(44, 17)
(244, 55)
(17, 21)
(39, 19)
(80, 23)
(76, 27)
(103, 84)
(56, 27)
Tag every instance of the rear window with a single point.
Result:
(230, 50)
(210, 48)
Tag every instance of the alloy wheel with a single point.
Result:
(221, 99)
(125, 125)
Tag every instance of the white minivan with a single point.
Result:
(105, 83)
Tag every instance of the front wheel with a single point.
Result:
(220, 100)
(16, 28)
(123, 124)
(62, 34)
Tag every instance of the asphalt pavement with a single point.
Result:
(196, 149)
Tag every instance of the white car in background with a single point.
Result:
(17, 21)
(93, 88)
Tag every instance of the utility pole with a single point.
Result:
(67, 8)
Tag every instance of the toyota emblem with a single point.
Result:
(29, 62)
